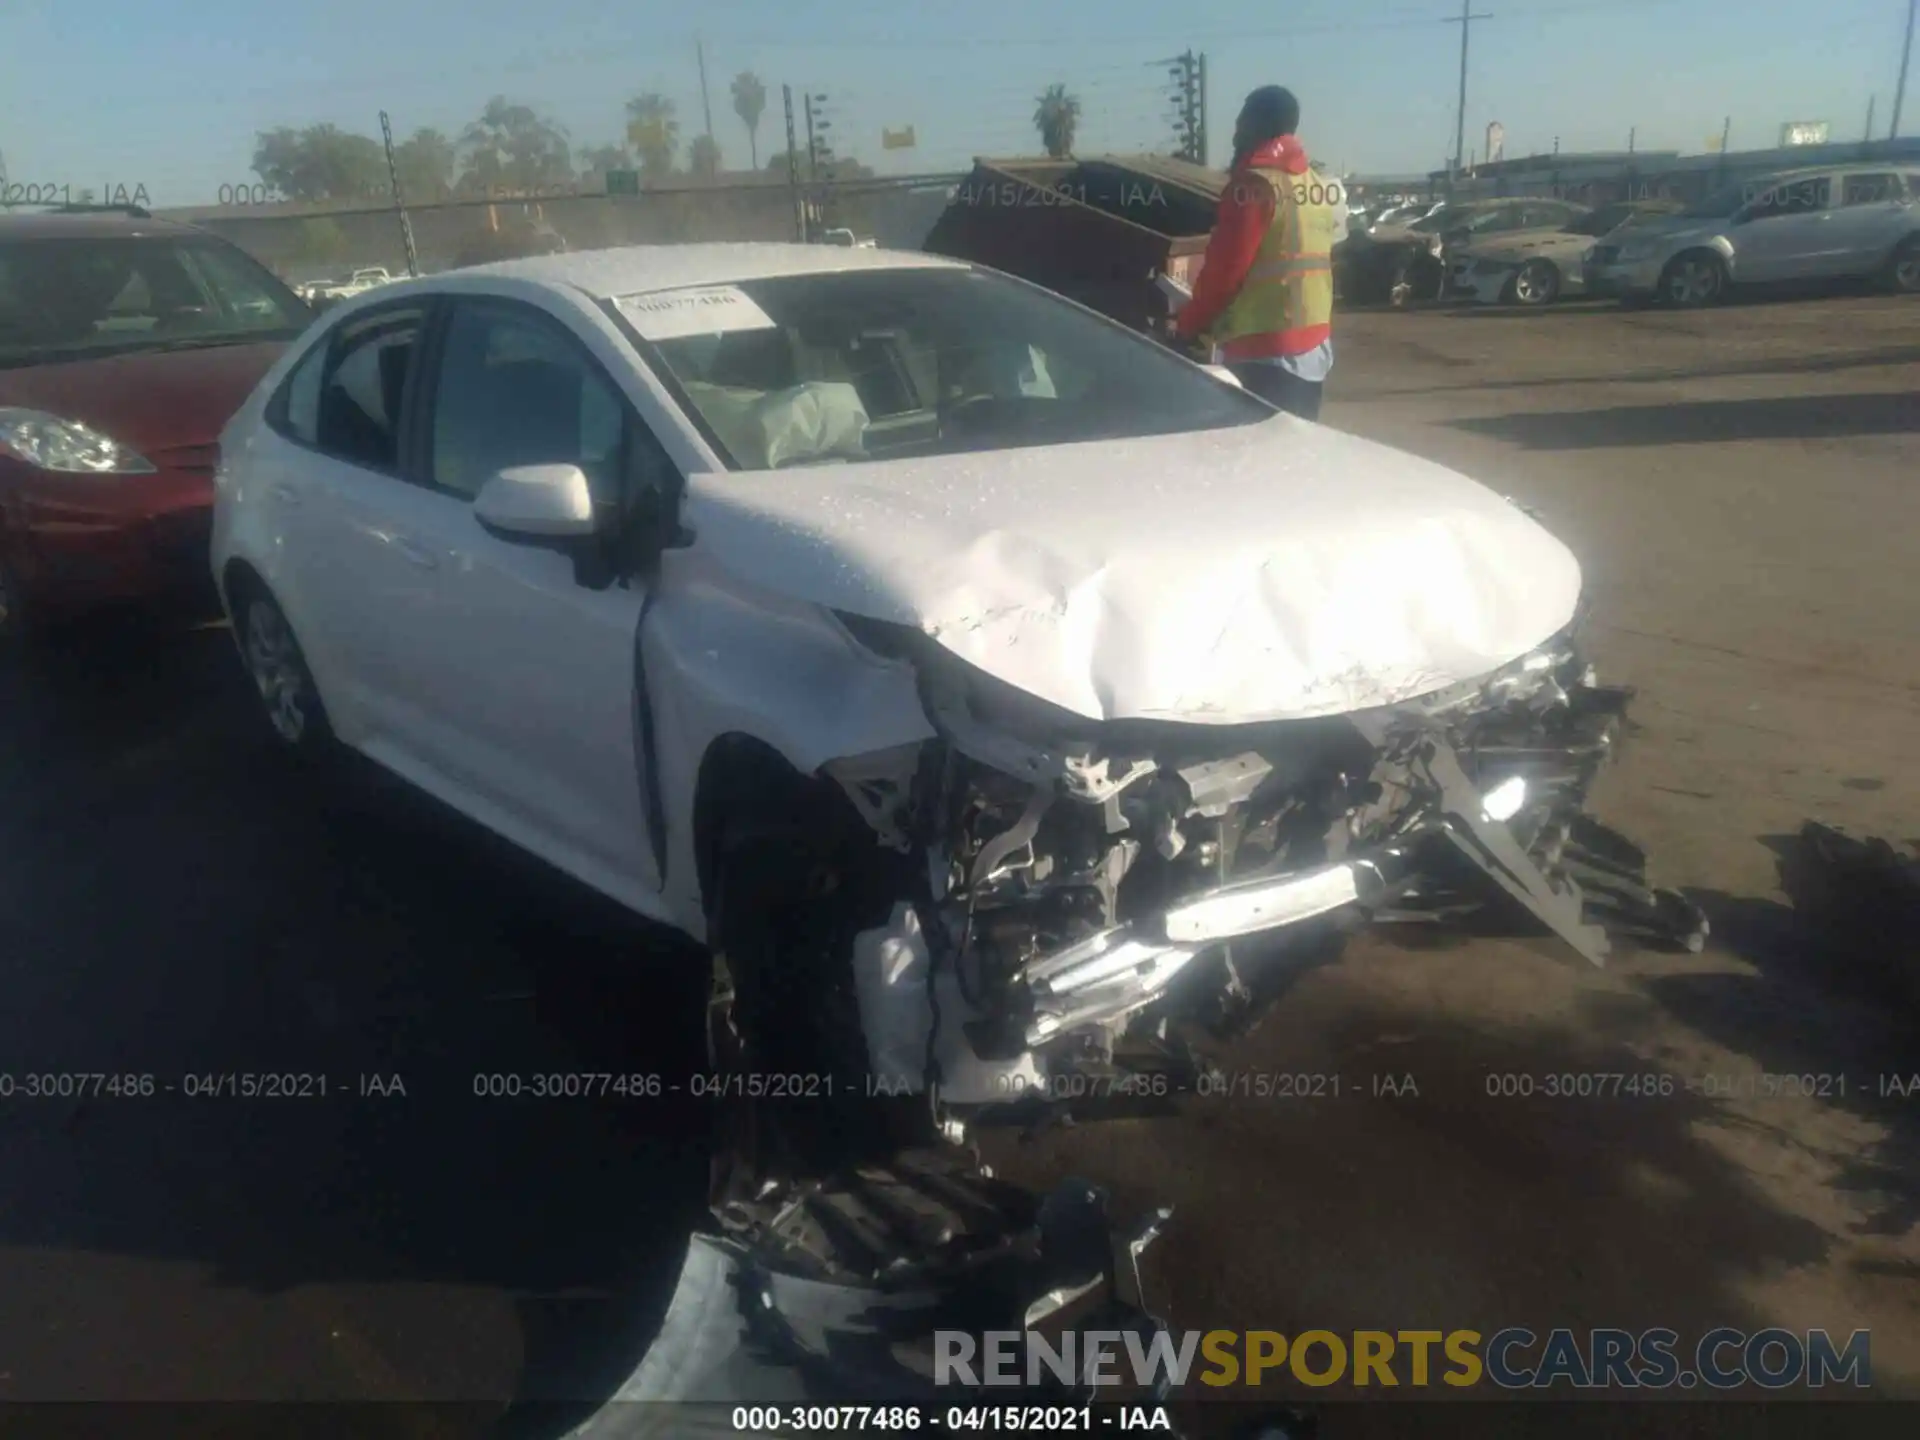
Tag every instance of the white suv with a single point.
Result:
(979, 678)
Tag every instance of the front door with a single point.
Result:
(1787, 233)
(528, 670)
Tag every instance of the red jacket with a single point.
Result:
(1246, 212)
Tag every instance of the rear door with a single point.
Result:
(351, 580)
(1787, 233)
(1874, 212)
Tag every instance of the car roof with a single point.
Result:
(629, 270)
(88, 225)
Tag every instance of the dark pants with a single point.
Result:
(1282, 389)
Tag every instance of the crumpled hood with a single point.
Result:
(1278, 570)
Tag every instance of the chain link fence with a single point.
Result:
(308, 242)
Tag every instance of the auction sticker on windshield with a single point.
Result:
(707, 310)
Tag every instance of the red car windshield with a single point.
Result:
(74, 298)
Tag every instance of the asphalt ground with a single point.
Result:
(174, 904)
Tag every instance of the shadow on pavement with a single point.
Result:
(1782, 365)
(1822, 1011)
(1799, 417)
(176, 907)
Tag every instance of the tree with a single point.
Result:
(597, 160)
(513, 148)
(320, 240)
(654, 133)
(425, 162)
(703, 156)
(321, 162)
(1057, 116)
(749, 103)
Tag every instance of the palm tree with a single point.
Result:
(1056, 117)
(653, 132)
(749, 101)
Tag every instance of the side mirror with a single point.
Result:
(1221, 372)
(537, 503)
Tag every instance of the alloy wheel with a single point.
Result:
(1693, 280)
(274, 662)
(1535, 284)
(1906, 268)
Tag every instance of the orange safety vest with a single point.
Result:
(1285, 305)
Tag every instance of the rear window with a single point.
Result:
(61, 298)
(878, 364)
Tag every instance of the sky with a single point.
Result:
(169, 94)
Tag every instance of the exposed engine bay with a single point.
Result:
(1089, 885)
(1081, 905)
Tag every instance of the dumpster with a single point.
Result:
(1098, 230)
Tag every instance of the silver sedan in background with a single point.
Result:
(1847, 222)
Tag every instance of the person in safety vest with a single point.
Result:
(1264, 297)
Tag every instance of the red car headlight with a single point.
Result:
(48, 442)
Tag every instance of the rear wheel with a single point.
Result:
(1903, 269)
(288, 696)
(1694, 279)
(1538, 283)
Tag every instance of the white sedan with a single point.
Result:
(925, 643)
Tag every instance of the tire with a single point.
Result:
(780, 927)
(290, 701)
(1693, 280)
(1537, 284)
(1903, 267)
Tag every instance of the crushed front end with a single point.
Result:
(1093, 891)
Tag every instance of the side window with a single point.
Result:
(1870, 189)
(515, 390)
(295, 412)
(365, 386)
(1799, 197)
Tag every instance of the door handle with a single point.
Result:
(416, 553)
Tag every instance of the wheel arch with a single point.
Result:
(746, 787)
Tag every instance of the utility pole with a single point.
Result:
(1204, 146)
(1906, 58)
(700, 52)
(1186, 72)
(399, 200)
(1869, 135)
(793, 167)
(1464, 20)
(813, 147)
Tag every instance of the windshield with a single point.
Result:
(90, 296)
(882, 364)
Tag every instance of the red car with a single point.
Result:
(125, 345)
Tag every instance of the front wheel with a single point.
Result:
(1538, 283)
(279, 671)
(1903, 269)
(1693, 280)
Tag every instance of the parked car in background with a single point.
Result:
(1844, 222)
(1400, 263)
(1537, 267)
(125, 344)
